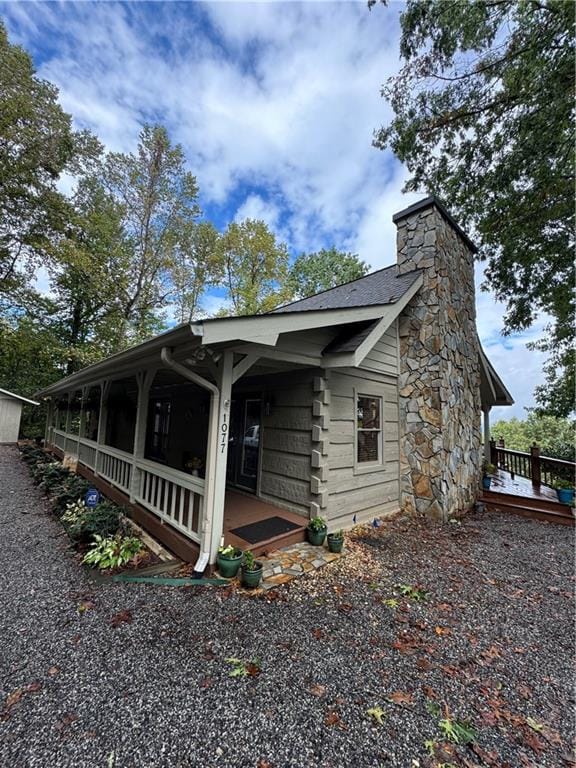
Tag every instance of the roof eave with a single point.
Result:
(110, 365)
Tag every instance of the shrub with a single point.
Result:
(74, 512)
(31, 454)
(48, 476)
(112, 552)
(101, 522)
(68, 491)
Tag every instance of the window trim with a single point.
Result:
(364, 467)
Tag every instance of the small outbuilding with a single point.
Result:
(10, 414)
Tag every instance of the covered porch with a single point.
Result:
(146, 439)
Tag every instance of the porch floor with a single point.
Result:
(242, 509)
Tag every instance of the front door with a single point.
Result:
(244, 444)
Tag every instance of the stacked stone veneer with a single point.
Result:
(439, 384)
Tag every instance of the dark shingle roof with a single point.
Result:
(382, 287)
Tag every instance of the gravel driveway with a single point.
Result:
(120, 676)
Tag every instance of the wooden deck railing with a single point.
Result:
(540, 469)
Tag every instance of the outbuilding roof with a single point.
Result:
(18, 397)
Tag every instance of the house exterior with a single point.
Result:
(10, 415)
(350, 404)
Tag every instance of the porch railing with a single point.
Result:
(540, 469)
(87, 452)
(59, 438)
(173, 496)
(115, 466)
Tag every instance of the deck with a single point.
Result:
(516, 495)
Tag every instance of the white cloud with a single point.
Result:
(255, 207)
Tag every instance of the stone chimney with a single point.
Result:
(439, 385)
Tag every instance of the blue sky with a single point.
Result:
(275, 104)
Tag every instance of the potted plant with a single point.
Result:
(317, 531)
(250, 571)
(195, 465)
(564, 491)
(336, 541)
(229, 559)
(487, 472)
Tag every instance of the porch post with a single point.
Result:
(217, 457)
(535, 469)
(81, 420)
(102, 418)
(144, 380)
(68, 415)
(47, 431)
(486, 412)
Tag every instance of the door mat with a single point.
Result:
(265, 529)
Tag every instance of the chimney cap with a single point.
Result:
(427, 202)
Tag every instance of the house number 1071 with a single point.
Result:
(223, 433)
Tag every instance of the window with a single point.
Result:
(368, 430)
(160, 413)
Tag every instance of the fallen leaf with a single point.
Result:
(13, 698)
(122, 617)
(67, 720)
(318, 690)
(206, 682)
(535, 725)
(85, 605)
(53, 671)
(424, 664)
(317, 633)
(344, 607)
(377, 714)
(264, 764)
(440, 631)
(401, 697)
(332, 718)
(533, 741)
(252, 670)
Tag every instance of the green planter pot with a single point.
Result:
(316, 537)
(228, 566)
(251, 579)
(335, 543)
(565, 495)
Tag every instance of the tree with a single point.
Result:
(253, 267)
(158, 198)
(314, 272)
(37, 144)
(555, 436)
(91, 277)
(194, 266)
(484, 117)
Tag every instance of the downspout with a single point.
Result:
(167, 359)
